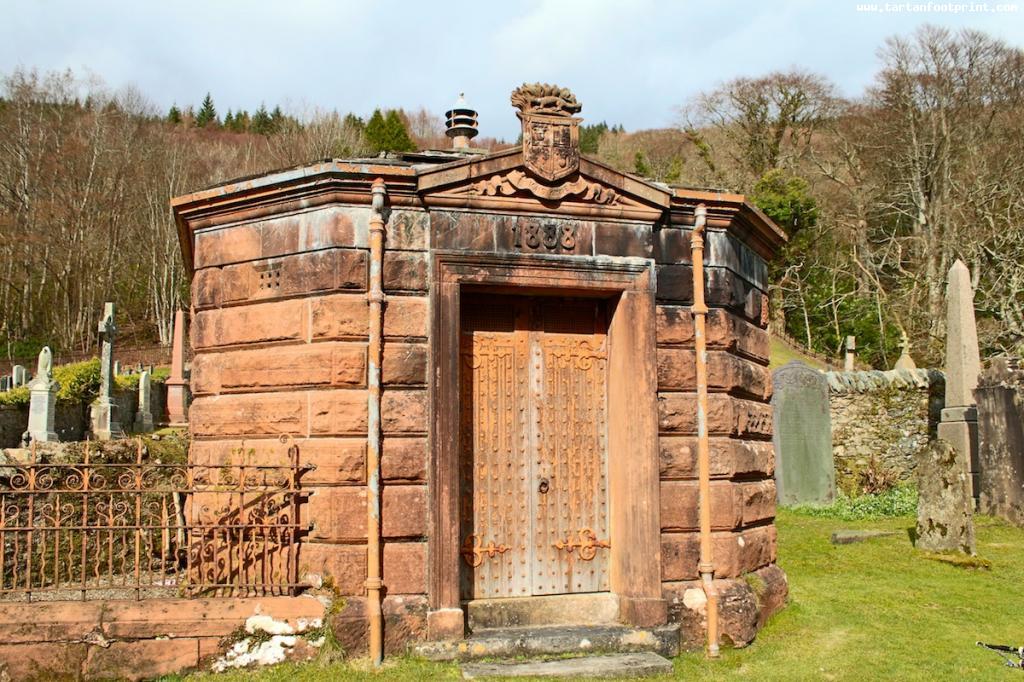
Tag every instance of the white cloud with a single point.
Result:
(628, 62)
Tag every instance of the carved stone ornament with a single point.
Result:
(551, 137)
(508, 183)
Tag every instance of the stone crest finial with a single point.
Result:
(551, 137)
(544, 98)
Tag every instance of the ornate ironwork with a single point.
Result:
(587, 544)
(141, 529)
(473, 550)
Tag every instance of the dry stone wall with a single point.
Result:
(882, 422)
(71, 420)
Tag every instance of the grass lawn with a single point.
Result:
(873, 610)
(781, 353)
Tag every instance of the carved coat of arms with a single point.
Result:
(551, 139)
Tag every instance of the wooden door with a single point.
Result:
(533, 446)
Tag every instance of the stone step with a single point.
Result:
(618, 666)
(597, 608)
(555, 640)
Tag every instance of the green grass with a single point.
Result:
(780, 353)
(880, 610)
(872, 610)
(898, 501)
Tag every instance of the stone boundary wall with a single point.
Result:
(71, 421)
(125, 639)
(881, 420)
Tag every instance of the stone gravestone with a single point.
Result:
(177, 386)
(959, 425)
(1000, 396)
(804, 468)
(17, 376)
(5, 384)
(104, 411)
(851, 354)
(905, 361)
(144, 415)
(43, 402)
(117, 368)
(944, 518)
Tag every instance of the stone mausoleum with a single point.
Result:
(489, 358)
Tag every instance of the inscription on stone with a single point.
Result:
(550, 235)
(804, 471)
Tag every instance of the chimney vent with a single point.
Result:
(461, 123)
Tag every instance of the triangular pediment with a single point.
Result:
(502, 182)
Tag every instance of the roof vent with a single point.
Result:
(460, 123)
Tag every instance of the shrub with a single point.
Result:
(130, 382)
(79, 381)
(16, 397)
(900, 500)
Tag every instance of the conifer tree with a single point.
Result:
(207, 113)
(640, 165)
(376, 132)
(387, 133)
(174, 115)
(261, 124)
(397, 135)
(276, 120)
(229, 120)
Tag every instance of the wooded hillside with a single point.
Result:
(879, 193)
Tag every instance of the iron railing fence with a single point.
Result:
(119, 530)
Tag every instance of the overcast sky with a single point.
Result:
(631, 62)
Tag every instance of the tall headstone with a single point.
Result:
(804, 468)
(959, 424)
(117, 368)
(18, 376)
(851, 353)
(105, 421)
(144, 415)
(944, 518)
(177, 386)
(43, 402)
(1000, 396)
(5, 383)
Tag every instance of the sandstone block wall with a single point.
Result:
(739, 418)
(739, 421)
(279, 333)
(882, 420)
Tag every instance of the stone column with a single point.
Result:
(177, 386)
(144, 415)
(104, 411)
(959, 425)
(851, 353)
(41, 411)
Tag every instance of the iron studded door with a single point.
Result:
(533, 465)
(568, 377)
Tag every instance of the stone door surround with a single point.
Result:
(633, 472)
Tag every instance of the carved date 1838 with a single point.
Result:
(550, 235)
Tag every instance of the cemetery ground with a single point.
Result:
(876, 609)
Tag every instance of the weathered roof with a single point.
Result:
(441, 178)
